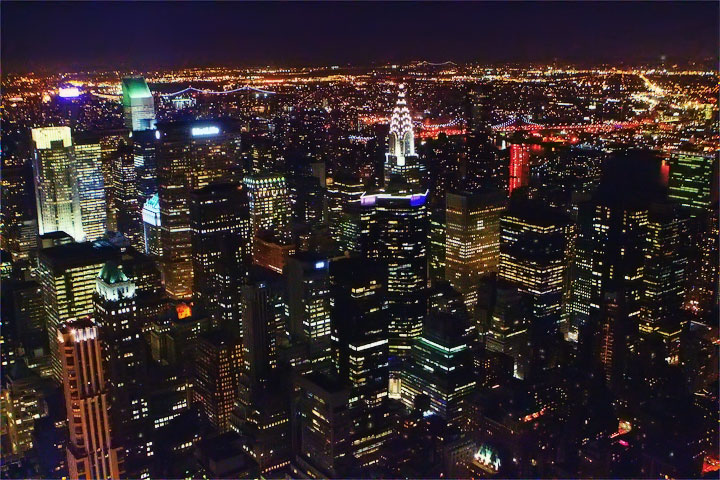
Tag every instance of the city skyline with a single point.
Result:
(391, 269)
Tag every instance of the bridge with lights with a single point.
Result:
(523, 124)
(245, 88)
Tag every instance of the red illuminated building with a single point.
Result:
(519, 166)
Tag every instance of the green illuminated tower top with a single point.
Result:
(138, 104)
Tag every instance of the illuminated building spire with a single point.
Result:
(401, 158)
(402, 137)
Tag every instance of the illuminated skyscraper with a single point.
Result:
(67, 275)
(190, 156)
(535, 243)
(401, 158)
(348, 233)
(308, 300)
(263, 319)
(23, 403)
(341, 191)
(611, 243)
(398, 237)
(441, 368)
(704, 288)
(91, 189)
(264, 412)
(221, 249)
(507, 319)
(119, 323)
(665, 265)
(56, 185)
(125, 193)
(437, 243)
(138, 104)
(109, 143)
(360, 351)
(269, 204)
(216, 377)
(324, 426)
(14, 211)
(690, 182)
(151, 225)
(144, 145)
(519, 166)
(91, 451)
(609, 253)
(616, 332)
(472, 240)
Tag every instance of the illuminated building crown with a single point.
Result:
(402, 137)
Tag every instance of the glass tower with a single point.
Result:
(138, 104)
(91, 189)
(56, 187)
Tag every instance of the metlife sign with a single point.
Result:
(204, 131)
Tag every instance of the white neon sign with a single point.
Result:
(204, 131)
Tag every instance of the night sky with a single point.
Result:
(79, 35)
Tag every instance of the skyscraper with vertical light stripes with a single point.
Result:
(91, 451)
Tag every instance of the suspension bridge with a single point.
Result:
(523, 124)
(245, 88)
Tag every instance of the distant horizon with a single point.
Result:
(690, 64)
(95, 36)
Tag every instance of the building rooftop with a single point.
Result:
(77, 254)
(135, 87)
(112, 273)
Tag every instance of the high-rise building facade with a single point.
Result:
(263, 406)
(690, 180)
(23, 404)
(91, 189)
(91, 451)
(67, 276)
(269, 201)
(191, 155)
(535, 243)
(341, 191)
(13, 213)
(138, 104)
(151, 225)
(144, 146)
(110, 141)
(519, 166)
(120, 325)
(125, 194)
(307, 200)
(441, 368)
(56, 186)
(703, 291)
(308, 300)
(609, 257)
(360, 350)
(509, 315)
(437, 243)
(324, 424)
(398, 237)
(216, 376)
(472, 240)
(263, 319)
(665, 265)
(221, 249)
